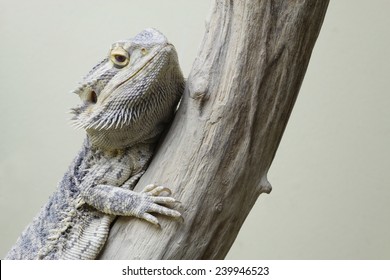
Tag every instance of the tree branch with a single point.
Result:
(236, 105)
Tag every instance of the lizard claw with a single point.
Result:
(154, 190)
(151, 219)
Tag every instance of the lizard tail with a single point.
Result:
(88, 238)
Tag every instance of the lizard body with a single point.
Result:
(127, 100)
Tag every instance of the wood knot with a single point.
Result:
(219, 207)
(198, 88)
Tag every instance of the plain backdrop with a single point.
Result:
(330, 177)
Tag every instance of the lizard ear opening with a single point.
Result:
(92, 97)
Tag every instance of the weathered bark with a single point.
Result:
(237, 102)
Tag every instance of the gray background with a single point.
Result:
(330, 177)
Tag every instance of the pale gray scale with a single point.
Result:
(76, 111)
(140, 157)
(117, 201)
(57, 210)
(120, 204)
(119, 174)
(125, 44)
(149, 37)
(91, 78)
(93, 70)
(107, 167)
(36, 236)
(89, 236)
(104, 79)
(84, 238)
(98, 78)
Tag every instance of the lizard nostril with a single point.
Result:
(92, 97)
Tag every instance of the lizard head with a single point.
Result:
(132, 93)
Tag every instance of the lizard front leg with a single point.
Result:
(123, 202)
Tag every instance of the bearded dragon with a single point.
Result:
(127, 101)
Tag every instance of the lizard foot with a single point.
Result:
(151, 193)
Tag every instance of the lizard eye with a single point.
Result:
(119, 57)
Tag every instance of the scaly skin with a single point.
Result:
(128, 99)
